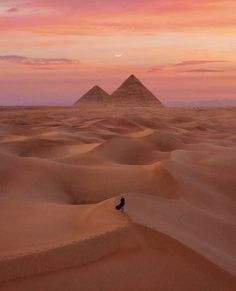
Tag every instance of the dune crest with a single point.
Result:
(63, 170)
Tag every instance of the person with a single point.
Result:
(121, 205)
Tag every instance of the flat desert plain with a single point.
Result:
(62, 171)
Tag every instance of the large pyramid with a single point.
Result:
(133, 92)
(95, 95)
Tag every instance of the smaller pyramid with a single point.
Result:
(94, 95)
(133, 92)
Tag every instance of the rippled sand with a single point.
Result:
(62, 171)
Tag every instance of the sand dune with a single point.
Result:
(184, 222)
(62, 171)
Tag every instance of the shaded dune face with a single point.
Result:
(62, 171)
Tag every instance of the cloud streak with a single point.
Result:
(189, 63)
(156, 69)
(37, 61)
(198, 62)
(202, 70)
(12, 10)
(99, 17)
(108, 6)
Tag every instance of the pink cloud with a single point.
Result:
(12, 10)
(104, 16)
(189, 63)
(44, 68)
(198, 62)
(155, 69)
(202, 70)
(109, 6)
(37, 61)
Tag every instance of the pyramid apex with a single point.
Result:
(132, 91)
(132, 77)
(96, 87)
(95, 94)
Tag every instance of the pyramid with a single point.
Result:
(133, 92)
(95, 95)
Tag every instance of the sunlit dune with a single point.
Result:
(62, 172)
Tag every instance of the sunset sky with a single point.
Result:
(52, 51)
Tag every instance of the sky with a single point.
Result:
(53, 51)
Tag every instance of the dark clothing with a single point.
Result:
(121, 204)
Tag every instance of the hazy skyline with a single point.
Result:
(53, 51)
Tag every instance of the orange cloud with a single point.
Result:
(109, 6)
(104, 16)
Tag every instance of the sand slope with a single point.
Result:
(62, 171)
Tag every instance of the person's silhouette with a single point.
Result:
(121, 205)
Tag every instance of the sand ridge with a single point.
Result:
(62, 171)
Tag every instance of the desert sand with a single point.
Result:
(62, 170)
